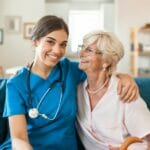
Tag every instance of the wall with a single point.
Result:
(109, 16)
(16, 50)
(62, 9)
(130, 13)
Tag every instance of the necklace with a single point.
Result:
(100, 88)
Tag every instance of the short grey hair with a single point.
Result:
(108, 44)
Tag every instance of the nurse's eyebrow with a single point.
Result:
(56, 40)
(51, 38)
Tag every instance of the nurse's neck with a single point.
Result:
(41, 69)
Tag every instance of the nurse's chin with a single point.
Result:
(51, 64)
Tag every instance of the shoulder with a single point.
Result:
(138, 104)
(19, 78)
(65, 62)
(71, 68)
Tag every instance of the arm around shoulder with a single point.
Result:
(127, 88)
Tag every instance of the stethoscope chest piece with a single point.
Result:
(33, 113)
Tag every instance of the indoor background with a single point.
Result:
(124, 17)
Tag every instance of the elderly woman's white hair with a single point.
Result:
(108, 44)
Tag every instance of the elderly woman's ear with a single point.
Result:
(105, 66)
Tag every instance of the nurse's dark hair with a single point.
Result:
(46, 25)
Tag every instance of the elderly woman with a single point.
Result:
(104, 122)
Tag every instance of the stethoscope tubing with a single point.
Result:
(34, 111)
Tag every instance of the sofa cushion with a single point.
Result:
(3, 121)
(144, 88)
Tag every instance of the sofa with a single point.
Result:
(143, 84)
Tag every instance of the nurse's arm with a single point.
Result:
(127, 88)
(18, 132)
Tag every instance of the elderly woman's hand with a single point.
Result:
(113, 147)
(127, 88)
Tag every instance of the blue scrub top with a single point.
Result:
(58, 134)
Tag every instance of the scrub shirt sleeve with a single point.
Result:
(79, 74)
(14, 103)
(137, 118)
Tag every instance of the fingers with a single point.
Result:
(129, 93)
(133, 96)
(119, 88)
(28, 65)
(127, 88)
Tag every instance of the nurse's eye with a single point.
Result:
(63, 45)
(51, 42)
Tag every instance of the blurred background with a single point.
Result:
(129, 19)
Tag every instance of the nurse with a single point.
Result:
(41, 100)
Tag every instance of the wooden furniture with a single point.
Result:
(140, 51)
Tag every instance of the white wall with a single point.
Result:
(62, 9)
(16, 50)
(130, 13)
(109, 16)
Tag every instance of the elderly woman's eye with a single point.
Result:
(88, 50)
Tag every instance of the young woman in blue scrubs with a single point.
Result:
(41, 100)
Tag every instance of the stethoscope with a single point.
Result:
(34, 111)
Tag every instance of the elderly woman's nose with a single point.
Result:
(81, 53)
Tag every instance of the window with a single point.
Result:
(82, 22)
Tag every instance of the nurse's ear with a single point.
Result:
(35, 43)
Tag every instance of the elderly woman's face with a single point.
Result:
(90, 58)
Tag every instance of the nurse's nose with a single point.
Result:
(57, 48)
